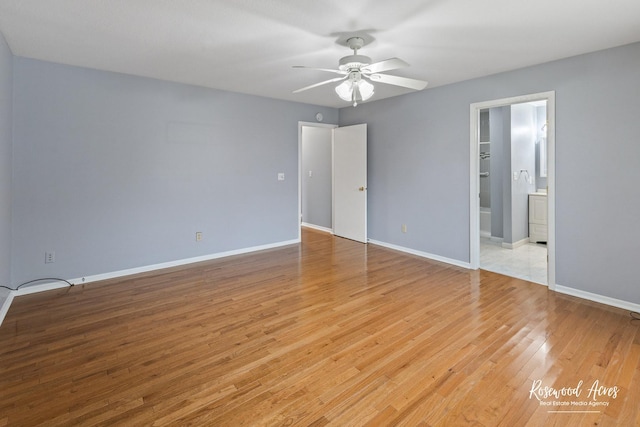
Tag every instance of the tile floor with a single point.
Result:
(528, 262)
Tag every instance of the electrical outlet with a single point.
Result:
(198, 236)
(280, 176)
(404, 228)
(49, 257)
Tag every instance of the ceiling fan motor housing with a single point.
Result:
(353, 61)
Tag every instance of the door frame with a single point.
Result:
(474, 181)
(300, 125)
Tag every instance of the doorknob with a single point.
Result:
(361, 189)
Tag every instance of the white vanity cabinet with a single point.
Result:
(538, 217)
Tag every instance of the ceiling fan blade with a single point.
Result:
(337, 79)
(321, 69)
(386, 65)
(399, 81)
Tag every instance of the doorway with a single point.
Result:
(333, 179)
(315, 176)
(516, 181)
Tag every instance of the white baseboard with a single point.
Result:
(626, 305)
(422, 254)
(558, 288)
(6, 297)
(317, 227)
(515, 245)
(492, 238)
(48, 286)
(178, 263)
(115, 274)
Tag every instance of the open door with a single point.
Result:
(350, 182)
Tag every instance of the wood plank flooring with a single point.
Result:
(328, 332)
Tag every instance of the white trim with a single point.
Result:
(4, 308)
(474, 187)
(474, 179)
(422, 254)
(626, 305)
(144, 269)
(317, 227)
(551, 190)
(515, 245)
(115, 274)
(43, 287)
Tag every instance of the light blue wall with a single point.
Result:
(115, 172)
(499, 170)
(507, 177)
(317, 188)
(419, 166)
(523, 158)
(418, 169)
(541, 119)
(6, 96)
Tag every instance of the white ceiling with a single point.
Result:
(250, 46)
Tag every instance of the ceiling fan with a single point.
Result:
(357, 71)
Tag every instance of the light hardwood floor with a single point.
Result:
(328, 332)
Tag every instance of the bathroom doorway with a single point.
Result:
(512, 213)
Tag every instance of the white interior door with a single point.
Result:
(350, 182)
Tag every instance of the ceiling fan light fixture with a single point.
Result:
(354, 91)
(366, 89)
(345, 90)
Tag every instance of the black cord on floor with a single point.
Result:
(37, 280)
